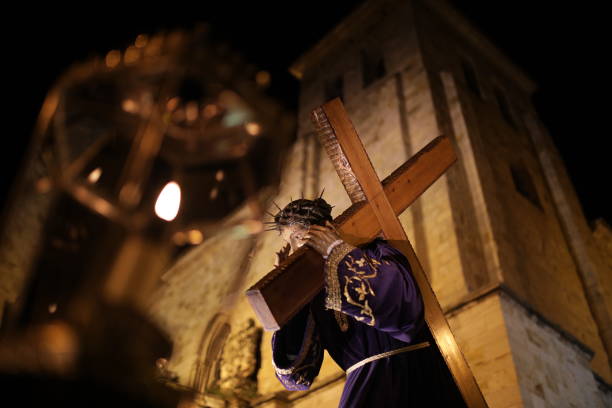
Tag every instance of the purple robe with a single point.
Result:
(371, 289)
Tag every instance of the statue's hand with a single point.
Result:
(283, 254)
(320, 238)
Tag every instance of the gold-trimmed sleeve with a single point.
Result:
(332, 283)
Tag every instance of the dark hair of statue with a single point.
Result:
(304, 212)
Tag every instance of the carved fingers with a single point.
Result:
(320, 238)
(283, 254)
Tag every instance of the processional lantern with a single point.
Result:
(165, 144)
(171, 126)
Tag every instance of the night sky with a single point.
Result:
(560, 47)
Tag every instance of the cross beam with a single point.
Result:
(302, 274)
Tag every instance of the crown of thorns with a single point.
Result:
(302, 211)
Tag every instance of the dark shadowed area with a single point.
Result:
(558, 45)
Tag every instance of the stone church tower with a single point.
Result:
(524, 282)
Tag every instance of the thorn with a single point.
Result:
(322, 191)
(274, 202)
(269, 213)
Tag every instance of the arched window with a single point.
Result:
(209, 352)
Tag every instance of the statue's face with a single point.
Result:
(294, 235)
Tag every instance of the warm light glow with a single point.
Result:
(98, 204)
(172, 103)
(179, 238)
(253, 128)
(262, 78)
(195, 237)
(52, 308)
(141, 41)
(220, 175)
(113, 58)
(168, 202)
(210, 111)
(131, 55)
(214, 193)
(191, 111)
(43, 185)
(102, 206)
(94, 175)
(58, 341)
(129, 105)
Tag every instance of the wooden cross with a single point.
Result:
(283, 292)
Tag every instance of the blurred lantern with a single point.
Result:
(168, 139)
(168, 143)
(172, 109)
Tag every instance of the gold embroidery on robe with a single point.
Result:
(356, 289)
(363, 269)
(333, 300)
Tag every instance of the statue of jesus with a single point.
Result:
(369, 317)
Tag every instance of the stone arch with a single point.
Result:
(209, 351)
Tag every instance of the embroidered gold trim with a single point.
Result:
(332, 298)
(387, 354)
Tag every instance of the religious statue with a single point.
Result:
(239, 362)
(163, 374)
(369, 317)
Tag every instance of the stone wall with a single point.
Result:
(482, 334)
(204, 283)
(552, 370)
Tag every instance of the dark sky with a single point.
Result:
(559, 46)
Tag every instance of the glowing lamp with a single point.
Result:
(168, 202)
